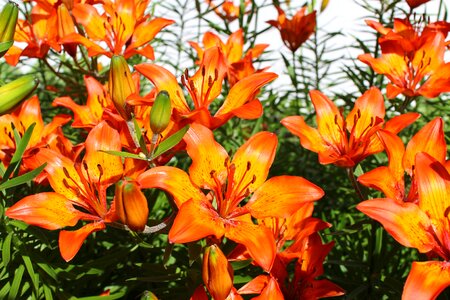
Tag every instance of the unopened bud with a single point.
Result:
(66, 27)
(121, 85)
(13, 93)
(217, 273)
(131, 205)
(8, 20)
(160, 113)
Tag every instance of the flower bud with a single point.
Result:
(217, 273)
(160, 113)
(131, 205)
(13, 93)
(8, 19)
(121, 85)
(66, 27)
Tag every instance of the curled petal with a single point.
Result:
(310, 138)
(258, 240)
(70, 241)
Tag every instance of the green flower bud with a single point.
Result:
(8, 20)
(160, 113)
(13, 93)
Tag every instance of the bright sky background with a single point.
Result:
(344, 16)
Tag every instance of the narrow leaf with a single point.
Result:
(170, 142)
(22, 178)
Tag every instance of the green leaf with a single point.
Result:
(237, 265)
(15, 286)
(140, 137)
(170, 142)
(49, 270)
(6, 249)
(125, 154)
(4, 46)
(20, 149)
(22, 178)
(34, 276)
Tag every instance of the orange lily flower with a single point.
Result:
(390, 180)
(89, 115)
(424, 226)
(227, 10)
(76, 185)
(209, 197)
(300, 232)
(413, 63)
(49, 135)
(205, 86)
(296, 31)
(304, 284)
(416, 3)
(330, 139)
(122, 27)
(239, 65)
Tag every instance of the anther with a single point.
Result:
(66, 172)
(100, 169)
(249, 165)
(66, 184)
(254, 179)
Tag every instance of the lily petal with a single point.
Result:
(70, 242)
(406, 222)
(244, 91)
(433, 185)
(164, 80)
(426, 280)
(172, 180)
(258, 240)
(196, 220)
(47, 210)
(103, 167)
(253, 160)
(282, 196)
(430, 139)
(207, 156)
(310, 137)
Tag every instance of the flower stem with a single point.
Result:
(355, 184)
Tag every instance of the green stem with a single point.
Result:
(355, 184)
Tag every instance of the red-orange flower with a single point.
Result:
(296, 31)
(330, 139)
(390, 180)
(123, 27)
(239, 64)
(209, 197)
(205, 86)
(413, 62)
(424, 226)
(80, 191)
(44, 135)
(226, 9)
(416, 3)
